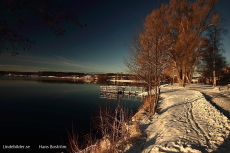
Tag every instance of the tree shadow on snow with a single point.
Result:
(210, 99)
(224, 147)
(161, 111)
(143, 144)
(165, 148)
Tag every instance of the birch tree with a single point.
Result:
(214, 36)
(212, 59)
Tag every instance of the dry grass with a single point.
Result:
(146, 105)
(116, 131)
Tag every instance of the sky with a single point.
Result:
(100, 47)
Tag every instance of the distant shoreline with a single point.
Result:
(48, 77)
(125, 81)
(121, 80)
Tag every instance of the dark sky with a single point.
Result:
(98, 47)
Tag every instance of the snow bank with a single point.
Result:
(225, 92)
(185, 122)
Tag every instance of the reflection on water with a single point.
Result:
(41, 111)
(60, 81)
(121, 96)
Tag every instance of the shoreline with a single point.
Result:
(48, 77)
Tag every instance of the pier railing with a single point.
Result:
(121, 96)
(122, 89)
(124, 92)
(112, 89)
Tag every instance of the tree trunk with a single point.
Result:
(151, 102)
(214, 70)
(157, 98)
(189, 76)
(214, 59)
(188, 80)
(181, 79)
(181, 82)
(214, 78)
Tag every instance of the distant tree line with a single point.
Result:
(42, 73)
(59, 74)
(103, 77)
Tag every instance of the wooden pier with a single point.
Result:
(134, 90)
(121, 96)
(122, 89)
(112, 89)
(124, 92)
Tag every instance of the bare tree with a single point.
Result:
(214, 35)
(148, 54)
(140, 64)
(19, 10)
(212, 60)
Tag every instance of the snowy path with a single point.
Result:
(185, 122)
(221, 99)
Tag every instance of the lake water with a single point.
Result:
(40, 111)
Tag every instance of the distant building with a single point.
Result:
(195, 80)
(87, 77)
(95, 77)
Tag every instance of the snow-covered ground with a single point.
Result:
(185, 122)
(208, 88)
(218, 96)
